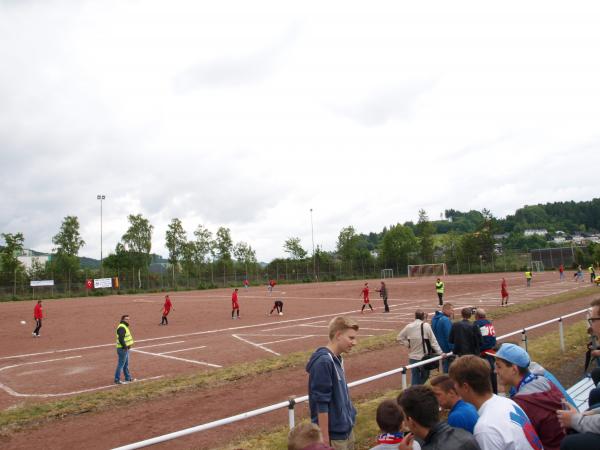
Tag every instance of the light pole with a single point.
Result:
(101, 197)
(312, 232)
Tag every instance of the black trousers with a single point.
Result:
(493, 377)
(581, 441)
(164, 320)
(38, 325)
(385, 304)
(441, 298)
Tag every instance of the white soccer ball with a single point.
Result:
(23, 322)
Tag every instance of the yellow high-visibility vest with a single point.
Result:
(128, 336)
(439, 287)
(528, 274)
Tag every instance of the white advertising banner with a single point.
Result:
(102, 283)
(38, 283)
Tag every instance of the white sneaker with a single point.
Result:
(281, 314)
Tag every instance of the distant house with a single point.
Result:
(27, 258)
(559, 239)
(501, 236)
(535, 232)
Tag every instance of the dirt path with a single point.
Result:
(155, 417)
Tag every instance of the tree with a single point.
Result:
(347, 243)
(9, 261)
(138, 242)
(424, 232)
(176, 241)
(68, 242)
(295, 250)
(224, 244)
(396, 245)
(244, 254)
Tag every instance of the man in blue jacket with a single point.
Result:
(441, 323)
(328, 397)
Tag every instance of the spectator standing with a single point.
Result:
(417, 336)
(441, 323)
(389, 420)
(328, 397)
(306, 436)
(38, 315)
(592, 272)
(422, 412)
(439, 288)
(488, 342)
(383, 293)
(465, 335)
(504, 292)
(587, 425)
(461, 414)
(539, 398)
(502, 424)
(124, 344)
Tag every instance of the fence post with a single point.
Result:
(404, 382)
(524, 338)
(561, 333)
(291, 418)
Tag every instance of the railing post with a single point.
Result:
(404, 382)
(291, 417)
(524, 339)
(561, 333)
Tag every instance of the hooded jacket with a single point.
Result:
(441, 324)
(540, 399)
(443, 437)
(328, 393)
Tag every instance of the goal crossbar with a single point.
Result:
(424, 270)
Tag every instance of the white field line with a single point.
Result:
(290, 339)
(181, 350)
(256, 345)
(362, 328)
(192, 361)
(160, 345)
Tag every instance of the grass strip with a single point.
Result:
(20, 417)
(545, 350)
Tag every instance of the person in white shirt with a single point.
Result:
(418, 346)
(502, 424)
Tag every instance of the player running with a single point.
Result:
(365, 294)
(278, 305)
(234, 304)
(504, 293)
(166, 310)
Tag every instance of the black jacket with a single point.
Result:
(466, 338)
(444, 437)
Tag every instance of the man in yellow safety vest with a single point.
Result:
(528, 277)
(439, 287)
(124, 343)
(592, 272)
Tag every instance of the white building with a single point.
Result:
(535, 232)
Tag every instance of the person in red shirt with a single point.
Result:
(246, 283)
(234, 304)
(166, 310)
(38, 315)
(365, 294)
(271, 286)
(504, 293)
(561, 271)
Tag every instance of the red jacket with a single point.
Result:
(167, 306)
(37, 312)
(234, 297)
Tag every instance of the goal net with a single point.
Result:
(537, 266)
(387, 273)
(425, 270)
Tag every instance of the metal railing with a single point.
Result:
(293, 401)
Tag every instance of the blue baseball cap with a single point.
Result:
(513, 354)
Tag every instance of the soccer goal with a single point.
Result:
(537, 266)
(426, 270)
(387, 273)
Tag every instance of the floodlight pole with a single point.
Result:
(101, 197)
(312, 232)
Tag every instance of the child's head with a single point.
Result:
(389, 416)
(303, 435)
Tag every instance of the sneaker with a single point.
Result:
(233, 318)
(281, 314)
(131, 381)
(118, 382)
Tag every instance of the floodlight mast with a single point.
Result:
(312, 232)
(101, 197)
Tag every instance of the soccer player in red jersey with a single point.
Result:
(504, 293)
(365, 294)
(234, 304)
(165, 311)
(38, 315)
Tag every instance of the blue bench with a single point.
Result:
(580, 393)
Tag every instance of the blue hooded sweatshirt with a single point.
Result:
(441, 325)
(328, 393)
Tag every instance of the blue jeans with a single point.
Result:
(446, 364)
(123, 365)
(418, 375)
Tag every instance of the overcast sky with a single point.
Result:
(247, 114)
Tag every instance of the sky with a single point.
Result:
(248, 115)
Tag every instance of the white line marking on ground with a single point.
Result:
(256, 345)
(160, 345)
(290, 339)
(193, 361)
(181, 350)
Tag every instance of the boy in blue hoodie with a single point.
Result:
(328, 397)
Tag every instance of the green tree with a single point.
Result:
(424, 232)
(223, 244)
(68, 242)
(295, 250)
(137, 240)
(244, 254)
(9, 262)
(396, 245)
(347, 243)
(175, 241)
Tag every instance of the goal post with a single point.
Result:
(387, 273)
(426, 270)
(537, 266)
